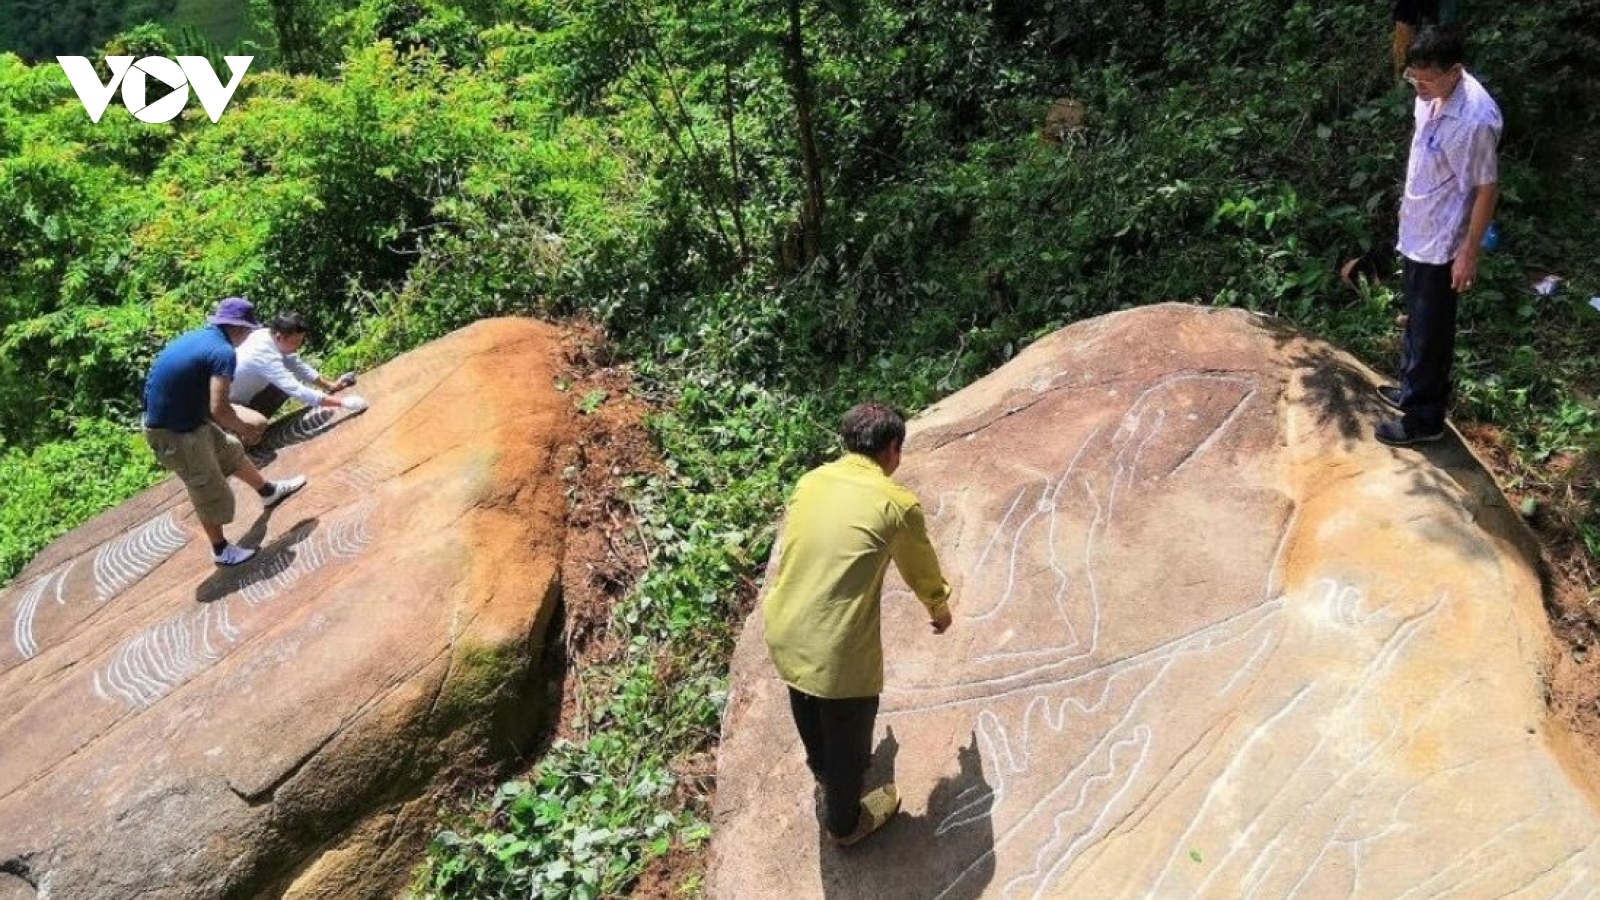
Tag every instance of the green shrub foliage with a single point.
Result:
(777, 208)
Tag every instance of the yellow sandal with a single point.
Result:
(877, 808)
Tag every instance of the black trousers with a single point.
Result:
(1429, 346)
(269, 401)
(837, 735)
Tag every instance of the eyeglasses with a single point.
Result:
(1414, 81)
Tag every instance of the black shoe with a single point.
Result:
(1395, 434)
(1390, 394)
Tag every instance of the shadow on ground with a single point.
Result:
(947, 853)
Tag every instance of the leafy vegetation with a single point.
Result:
(777, 208)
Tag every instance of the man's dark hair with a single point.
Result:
(1440, 48)
(289, 323)
(871, 428)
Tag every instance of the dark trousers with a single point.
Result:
(837, 735)
(269, 401)
(1429, 346)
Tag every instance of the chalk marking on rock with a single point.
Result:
(1009, 685)
(1011, 764)
(28, 607)
(1393, 646)
(1083, 838)
(1140, 739)
(1238, 409)
(996, 738)
(1047, 504)
(1480, 867)
(151, 664)
(304, 427)
(1576, 882)
(345, 537)
(1082, 776)
(1270, 855)
(1217, 786)
(120, 563)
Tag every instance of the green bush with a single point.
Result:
(53, 488)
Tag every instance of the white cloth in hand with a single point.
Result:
(353, 403)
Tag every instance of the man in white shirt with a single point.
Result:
(1452, 183)
(270, 372)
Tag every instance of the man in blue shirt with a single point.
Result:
(185, 400)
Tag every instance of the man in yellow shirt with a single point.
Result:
(847, 519)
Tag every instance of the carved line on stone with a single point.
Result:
(1235, 760)
(997, 740)
(1272, 588)
(155, 661)
(1380, 663)
(1578, 879)
(1476, 855)
(1130, 442)
(28, 607)
(1008, 767)
(364, 475)
(1393, 647)
(122, 562)
(148, 666)
(1140, 738)
(1125, 462)
(1238, 409)
(1047, 504)
(1009, 685)
(974, 810)
(1478, 863)
(1081, 839)
(303, 428)
(1333, 794)
(345, 537)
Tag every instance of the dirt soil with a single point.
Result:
(606, 553)
(1551, 501)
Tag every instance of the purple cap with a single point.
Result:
(235, 311)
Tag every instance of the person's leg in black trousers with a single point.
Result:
(269, 401)
(1430, 344)
(807, 712)
(837, 735)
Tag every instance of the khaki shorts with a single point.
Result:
(202, 459)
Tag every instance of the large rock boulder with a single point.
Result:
(169, 729)
(1210, 640)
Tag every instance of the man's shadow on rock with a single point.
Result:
(946, 853)
(270, 561)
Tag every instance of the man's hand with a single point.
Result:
(251, 434)
(1463, 271)
(941, 622)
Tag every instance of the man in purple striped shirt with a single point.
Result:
(1452, 183)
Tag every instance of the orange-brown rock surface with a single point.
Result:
(169, 729)
(1210, 640)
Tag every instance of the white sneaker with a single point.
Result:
(281, 491)
(232, 554)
